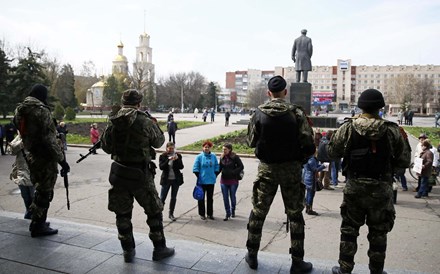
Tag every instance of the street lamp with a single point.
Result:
(181, 98)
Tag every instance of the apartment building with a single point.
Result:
(341, 85)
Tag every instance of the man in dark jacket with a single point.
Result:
(274, 123)
(372, 149)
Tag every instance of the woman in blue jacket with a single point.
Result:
(206, 168)
(310, 169)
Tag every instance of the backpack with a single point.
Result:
(322, 151)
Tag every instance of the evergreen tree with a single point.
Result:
(6, 104)
(211, 96)
(113, 89)
(65, 87)
(27, 73)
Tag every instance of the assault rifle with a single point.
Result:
(92, 150)
(66, 185)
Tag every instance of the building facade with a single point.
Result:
(341, 85)
(143, 71)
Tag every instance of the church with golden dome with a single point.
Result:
(142, 73)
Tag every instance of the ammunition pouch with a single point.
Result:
(126, 177)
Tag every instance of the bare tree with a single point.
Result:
(406, 90)
(257, 95)
(401, 90)
(181, 88)
(425, 91)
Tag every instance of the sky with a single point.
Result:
(213, 37)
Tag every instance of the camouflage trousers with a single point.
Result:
(370, 202)
(288, 177)
(120, 201)
(44, 176)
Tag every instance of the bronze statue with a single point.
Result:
(301, 53)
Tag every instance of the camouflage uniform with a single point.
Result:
(129, 138)
(38, 131)
(283, 167)
(368, 199)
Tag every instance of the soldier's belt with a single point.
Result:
(127, 177)
(378, 177)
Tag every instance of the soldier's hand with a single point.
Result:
(65, 168)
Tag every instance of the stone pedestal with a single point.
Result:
(301, 94)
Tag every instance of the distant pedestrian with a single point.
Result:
(227, 115)
(204, 115)
(171, 129)
(212, 115)
(170, 116)
(437, 119)
(94, 135)
(2, 136)
(428, 158)
(170, 162)
(400, 116)
(410, 117)
(62, 132)
(196, 113)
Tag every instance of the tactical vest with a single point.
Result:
(278, 140)
(368, 158)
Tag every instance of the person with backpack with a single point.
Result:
(324, 175)
(282, 136)
(372, 149)
(231, 167)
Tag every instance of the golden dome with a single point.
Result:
(99, 84)
(120, 45)
(120, 58)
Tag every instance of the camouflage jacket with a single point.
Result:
(130, 136)
(38, 130)
(372, 128)
(280, 132)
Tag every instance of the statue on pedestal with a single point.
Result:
(301, 53)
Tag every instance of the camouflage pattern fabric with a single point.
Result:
(38, 131)
(368, 200)
(129, 138)
(288, 177)
(120, 201)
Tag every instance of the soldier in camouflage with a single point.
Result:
(38, 130)
(283, 139)
(129, 138)
(372, 149)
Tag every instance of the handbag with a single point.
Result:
(318, 185)
(198, 192)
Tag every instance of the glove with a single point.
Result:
(197, 174)
(65, 168)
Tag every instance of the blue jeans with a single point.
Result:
(310, 194)
(424, 184)
(229, 191)
(334, 171)
(164, 193)
(27, 193)
(402, 179)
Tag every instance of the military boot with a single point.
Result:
(311, 211)
(300, 267)
(129, 250)
(252, 260)
(39, 229)
(161, 251)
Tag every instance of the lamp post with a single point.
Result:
(181, 98)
